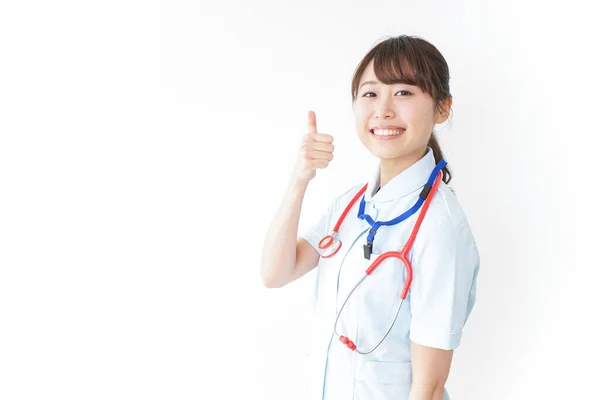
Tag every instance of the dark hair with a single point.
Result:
(413, 61)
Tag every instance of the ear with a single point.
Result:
(443, 112)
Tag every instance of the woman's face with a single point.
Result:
(394, 121)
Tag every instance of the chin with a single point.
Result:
(386, 155)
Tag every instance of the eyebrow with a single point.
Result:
(368, 83)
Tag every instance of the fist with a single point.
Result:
(316, 151)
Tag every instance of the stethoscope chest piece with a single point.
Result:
(329, 241)
(330, 245)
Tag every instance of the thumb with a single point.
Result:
(312, 122)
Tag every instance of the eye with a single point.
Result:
(406, 93)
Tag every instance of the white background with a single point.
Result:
(144, 146)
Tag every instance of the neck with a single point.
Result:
(390, 168)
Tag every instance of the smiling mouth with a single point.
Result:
(387, 133)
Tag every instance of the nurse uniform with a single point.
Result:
(445, 263)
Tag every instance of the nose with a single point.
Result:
(384, 108)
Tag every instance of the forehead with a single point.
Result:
(369, 74)
(391, 75)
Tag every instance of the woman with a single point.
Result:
(367, 342)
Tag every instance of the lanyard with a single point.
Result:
(368, 247)
(401, 255)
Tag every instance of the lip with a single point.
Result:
(391, 127)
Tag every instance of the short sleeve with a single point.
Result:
(318, 229)
(323, 225)
(442, 294)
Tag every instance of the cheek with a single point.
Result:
(419, 115)
(361, 113)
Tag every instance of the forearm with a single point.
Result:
(426, 392)
(279, 248)
(430, 370)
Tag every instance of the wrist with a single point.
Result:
(298, 184)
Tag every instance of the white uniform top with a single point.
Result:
(445, 265)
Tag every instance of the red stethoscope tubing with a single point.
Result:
(402, 255)
(328, 240)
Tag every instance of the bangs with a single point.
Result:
(400, 61)
(390, 69)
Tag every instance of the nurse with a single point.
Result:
(400, 91)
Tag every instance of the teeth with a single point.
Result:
(387, 132)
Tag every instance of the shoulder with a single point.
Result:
(446, 219)
(444, 248)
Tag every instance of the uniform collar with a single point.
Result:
(409, 180)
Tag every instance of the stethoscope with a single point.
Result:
(330, 241)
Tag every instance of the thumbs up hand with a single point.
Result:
(316, 151)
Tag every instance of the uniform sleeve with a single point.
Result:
(323, 225)
(318, 229)
(442, 295)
